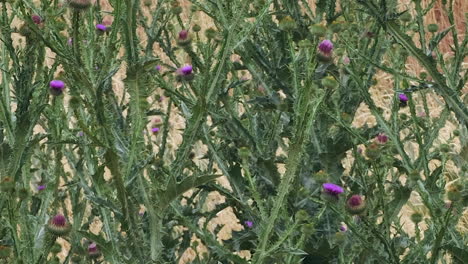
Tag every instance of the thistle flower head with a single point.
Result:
(332, 189)
(56, 87)
(155, 130)
(248, 224)
(36, 19)
(326, 47)
(381, 138)
(41, 187)
(403, 98)
(355, 205)
(93, 250)
(343, 228)
(58, 225)
(331, 192)
(183, 34)
(184, 38)
(101, 27)
(185, 73)
(186, 70)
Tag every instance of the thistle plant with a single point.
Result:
(128, 131)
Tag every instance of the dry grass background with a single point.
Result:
(382, 94)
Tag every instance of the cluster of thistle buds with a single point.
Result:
(355, 205)
(374, 149)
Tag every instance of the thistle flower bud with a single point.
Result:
(302, 215)
(331, 192)
(373, 151)
(339, 237)
(445, 148)
(56, 87)
(329, 82)
(76, 259)
(185, 73)
(5, 251)
(454, 192)
(244, 152)
(7, 184)
(196, 28)
(416, 217)
(321, 176)
(184, 38)
(414, 175)
(56, 248)
(287, 24)
(432, 28)
(355, 205)
(318, 30)
(308, 229)
(58, 225)
(305, 43)
(79, 4)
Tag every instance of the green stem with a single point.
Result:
(304, 119)
(253, 189)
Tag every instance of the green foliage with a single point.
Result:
(277, 123)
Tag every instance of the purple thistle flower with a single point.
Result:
(249, 224)
(403, 98)
(57, 84)
(183, 34)
(158, 67)
(58, 225)
(355, 205)
(59, 220)
(326, 47)
(56, 87)
(93, 250)
(186, 70)
(41, 187)
(343, 228)
(101, 27)
(36, 19)
(184, 38)
(185, 73)
(332, 189)
(155, 130)
(381, 138)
